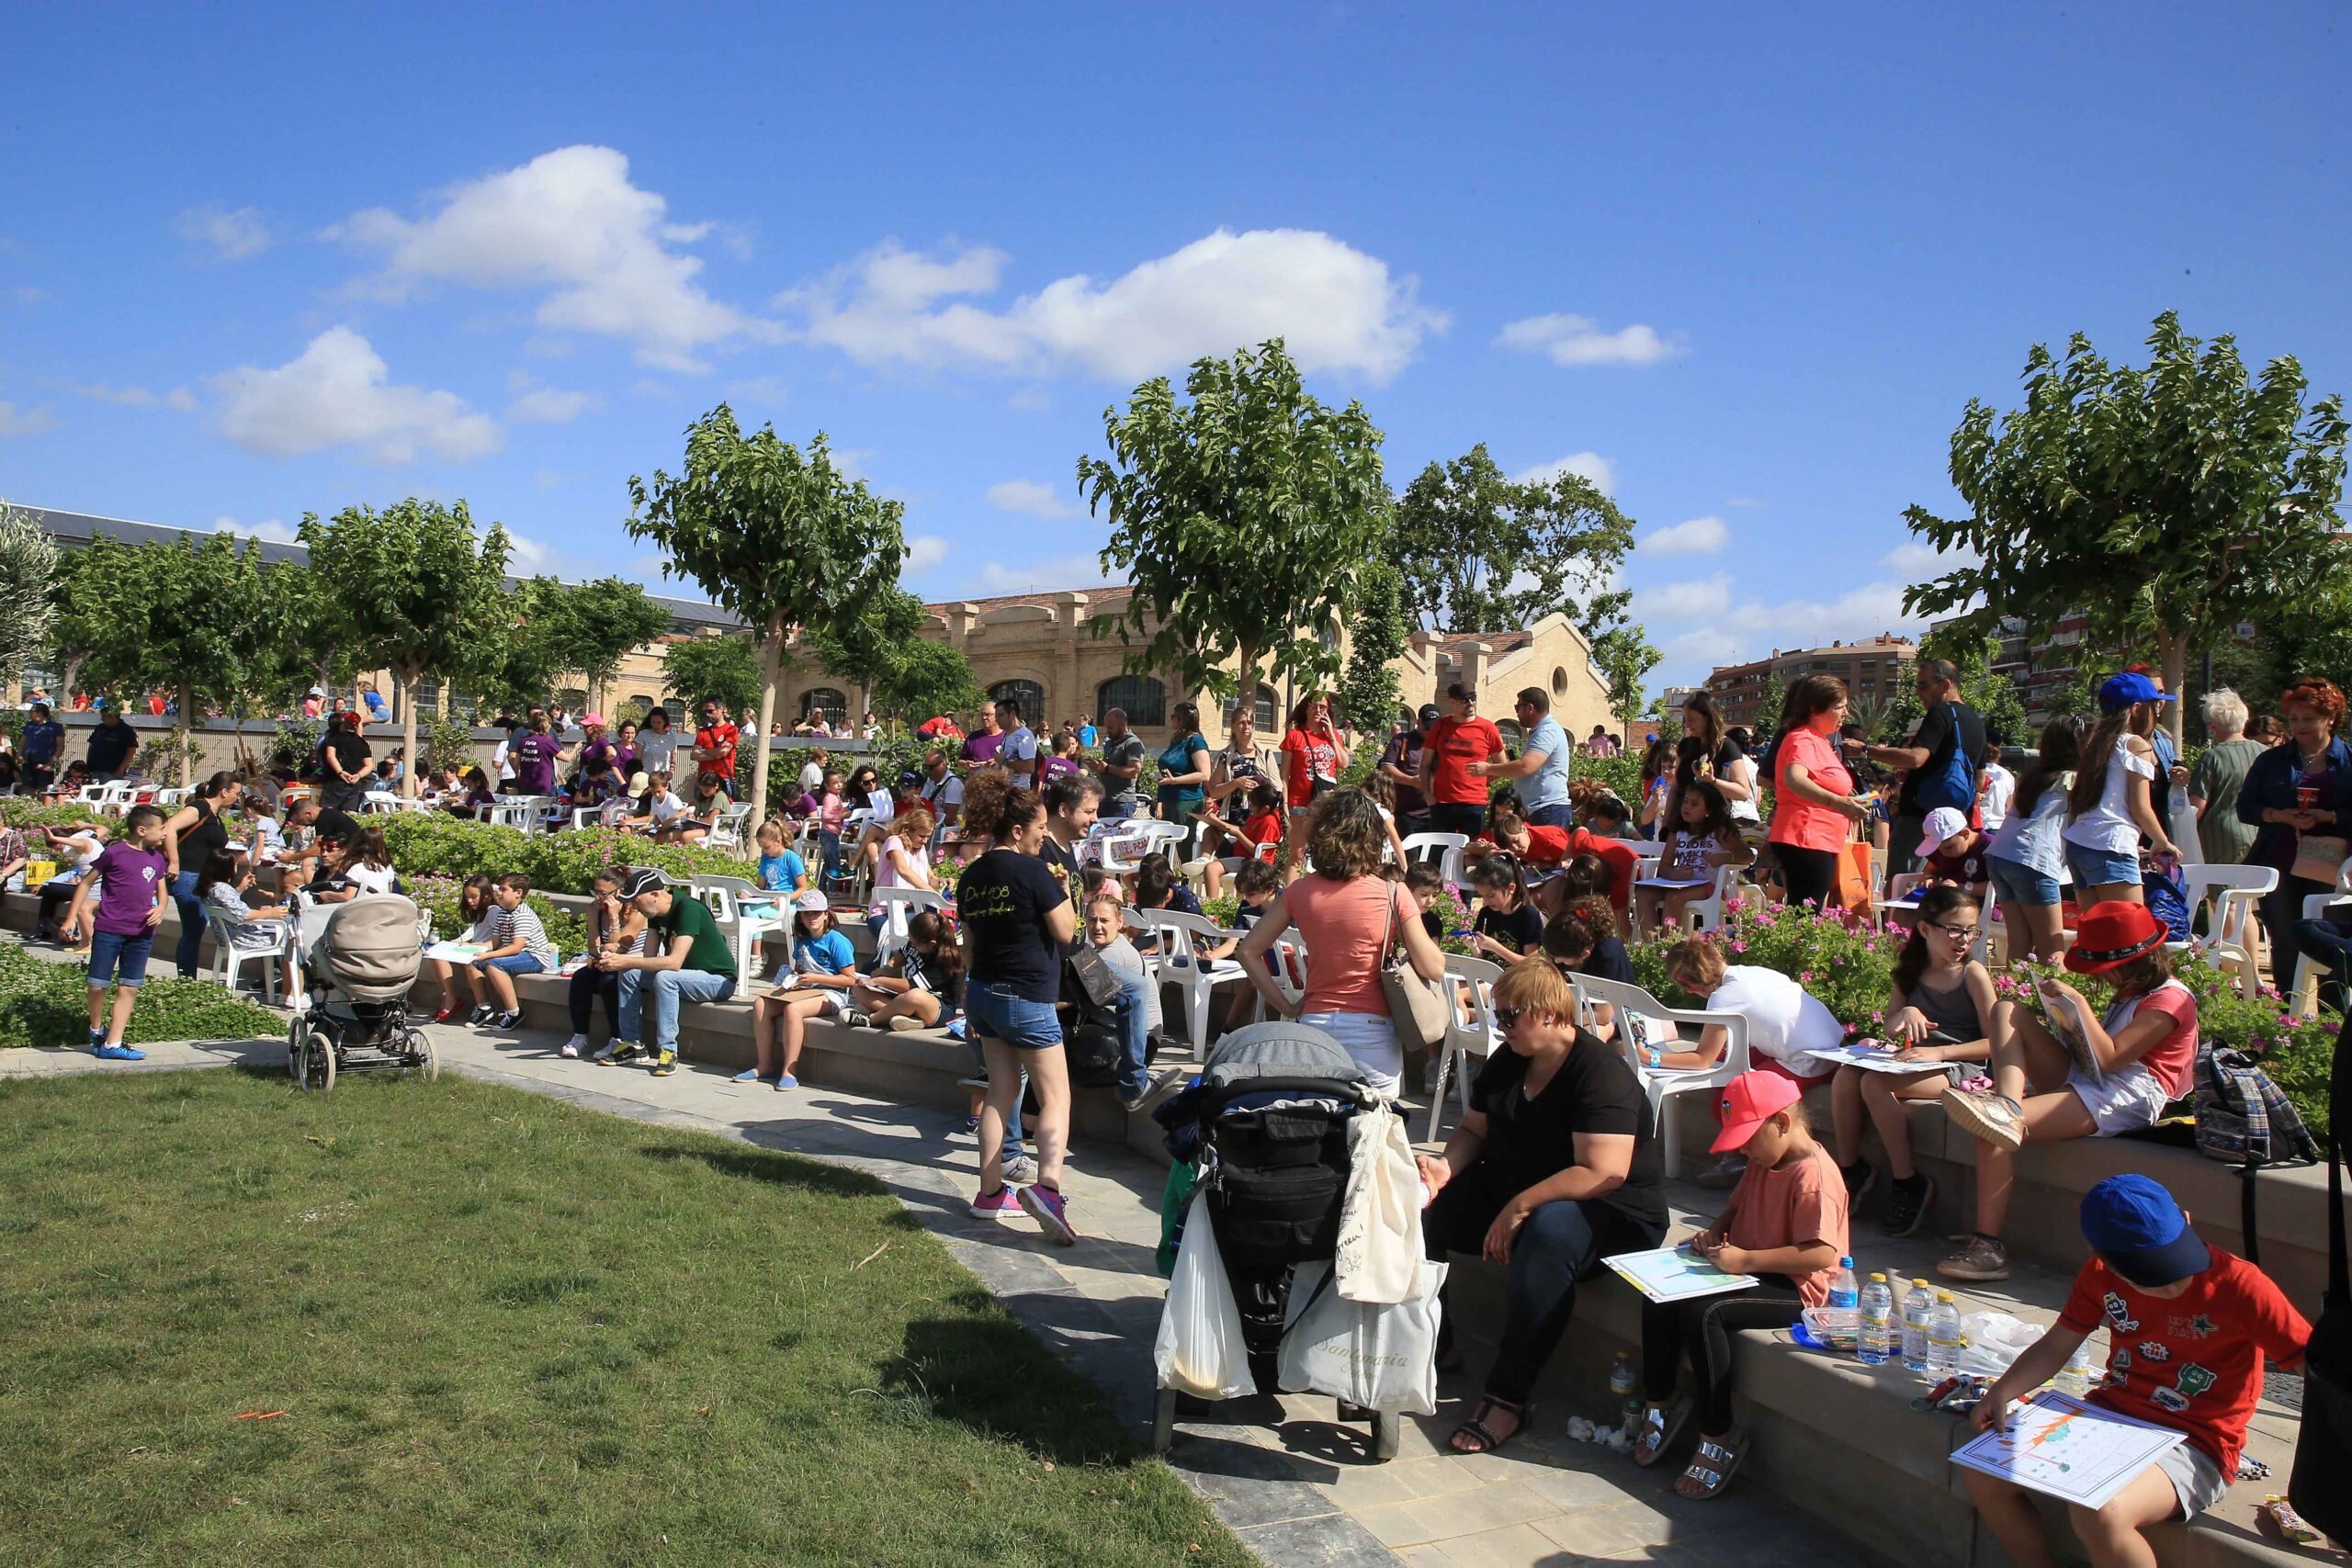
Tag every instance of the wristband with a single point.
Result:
(1657, 1058)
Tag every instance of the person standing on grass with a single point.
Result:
(1457, 797)
(1017, 921)
(713, 749)
(192, 836)
(695, 964)
(1401, 764)
(131, 882)
(1122, 764)
(2220, 773)
(1940, 760)
(346, 764)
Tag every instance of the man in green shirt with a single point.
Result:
(695, 964)
(2214, 782)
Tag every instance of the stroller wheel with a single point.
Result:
(422, 1059)
(314, 1064)
(1163, 1421)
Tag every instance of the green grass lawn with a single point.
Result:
(503, 1330)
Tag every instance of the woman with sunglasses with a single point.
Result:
(1554, 1167)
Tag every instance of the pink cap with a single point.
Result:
(1746, 1104)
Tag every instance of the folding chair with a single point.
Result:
(1470, 1031)
(1181, 939)
(1661, 1084)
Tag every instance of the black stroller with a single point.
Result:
(1267, 1124)
(355, 964)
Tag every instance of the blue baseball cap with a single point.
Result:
(2121, 691)
(2133, 1223)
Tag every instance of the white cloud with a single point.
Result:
(33, 421)
(925, 551)
(1579, 339)
(1586, 465)
(1699, 650)
(1029, 496)
(335, 393)
(1336, 307)
(229, 235)
(178, 398)
(537, 404)
(1918, 559)
(1744, 501)
(547, 478)
(1038, 576)
(272, 530)
(1699, 537)
(569, 221)
(1698, 600)
(528, 555)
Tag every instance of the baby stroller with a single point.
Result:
(1267, 1123)
(353, 966)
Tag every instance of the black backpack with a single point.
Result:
(2245, 1119)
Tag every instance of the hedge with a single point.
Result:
(436, 844)
(44, 1003)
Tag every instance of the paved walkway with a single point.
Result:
(1304, 1495)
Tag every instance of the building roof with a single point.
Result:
(1100, 595)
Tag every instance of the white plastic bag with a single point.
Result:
(1991, 1341)
(1199, 1350)
(1379, 1252)
(1381, 1357)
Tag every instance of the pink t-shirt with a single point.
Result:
(830, 812)
(1801, 823)
(2173, 1060)
(1345, 925)
(1801, 1202)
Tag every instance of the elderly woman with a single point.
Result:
(2297, 791)
(2220, 773)
(1553, 1168)
(1349, 916)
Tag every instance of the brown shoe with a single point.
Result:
(1982, 1258)
(1992, 1118)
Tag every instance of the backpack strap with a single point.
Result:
(2246, 1206)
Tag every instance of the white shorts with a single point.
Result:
(1371, 1040)
(2122, 1102)
(2196, 1480)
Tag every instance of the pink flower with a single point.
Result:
(1806, 977)
(1740, 947)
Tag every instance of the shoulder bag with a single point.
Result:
(1415, 1006)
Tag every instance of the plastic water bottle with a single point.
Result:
(1624, 1391)
(1844, 1298)
(1875, 1344)
(2082, 1372)
(1918, 1306)
(1943, 1337)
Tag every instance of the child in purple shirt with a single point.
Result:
(130, 876)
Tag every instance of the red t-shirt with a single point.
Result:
(2173, 1060)
(1306, 757)
(2194, 1363)
(1264, 831)
(1622, 860)
(1455, 744)
(722, 737)
(1545, 846)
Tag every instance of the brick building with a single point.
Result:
(1875, 670)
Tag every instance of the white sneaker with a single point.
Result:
(1021, 1170)
(604, 1052)
(572, 1047)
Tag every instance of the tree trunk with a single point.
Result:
(405, 682)
(1245, 700)
(2172, 658)
(771, 675)
(188, 710)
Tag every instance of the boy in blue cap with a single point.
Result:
(2188, 1328)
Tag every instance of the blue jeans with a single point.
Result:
(991, 1013)
(669, 986)
(1134, 1034)
(830, 845)
(122, 959)
(1560, 816)
(191, 947)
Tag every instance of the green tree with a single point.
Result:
(720, 668)
(904, 676)
(589, 628)
(1242, 519)
(1769, 705)
(1368, 697)
(778, 537)
(28, 582)
(2170, 502)
(1483, 553)
(418, 589)
(515, 664)
(1625, 659)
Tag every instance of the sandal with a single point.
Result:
(1475, 1429)
(1660, 1426)
(1712, 1467)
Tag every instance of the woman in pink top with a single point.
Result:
(1814, 808)
(1345, 911)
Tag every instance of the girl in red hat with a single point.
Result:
(2091, 1076)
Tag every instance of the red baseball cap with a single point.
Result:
(1746, 1103)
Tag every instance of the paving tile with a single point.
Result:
(1394, 1524)
(1334, 1542)
(1513, 1546)
(1488, 1507)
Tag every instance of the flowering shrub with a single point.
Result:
(18, 812)
(436, 844)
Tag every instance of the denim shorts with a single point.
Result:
(2019, 883)
(514, 964)
(118, 958)
(2101, 868)
(1000, 1015)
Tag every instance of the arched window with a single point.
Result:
(1028, 694)
(825, 700)
(1509, 728)
(1263, 709)
(1145, 700)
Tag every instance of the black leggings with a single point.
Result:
(1811, 875)
(1560, 1244)
(54, 895)
(587, 984)
(1705, 1326)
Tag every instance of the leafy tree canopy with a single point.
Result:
(1624, 657)
(29, 578)
(723, 669)
(1368, 698)
(1485, 553)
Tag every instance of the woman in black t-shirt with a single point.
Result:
(1553, 1168)
(1016, 920)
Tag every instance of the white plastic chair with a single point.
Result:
(229, 960)
(515, 811)
(1143, 837)
(1286, 965)
(1181, 939)
(1469, 1031)
(1662, 1084)
(897, 906)
(1445, 849)
(727, 832)
(726, 898)
(2231, 894)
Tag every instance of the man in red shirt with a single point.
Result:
(1457, 801)
(1548, 847)
(715, 744)
(2187, 1327)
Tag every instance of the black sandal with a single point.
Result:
(1476, 1428)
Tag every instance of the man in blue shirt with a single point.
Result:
(41, 745)
(1542, 761)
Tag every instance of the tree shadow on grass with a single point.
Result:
(993, 1376)
(779, 1169)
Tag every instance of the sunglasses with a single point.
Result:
(1506, 1017)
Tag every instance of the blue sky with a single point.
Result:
(1746, 266)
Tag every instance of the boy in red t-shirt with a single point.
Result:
(2188, 1328)
(1457, 801)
